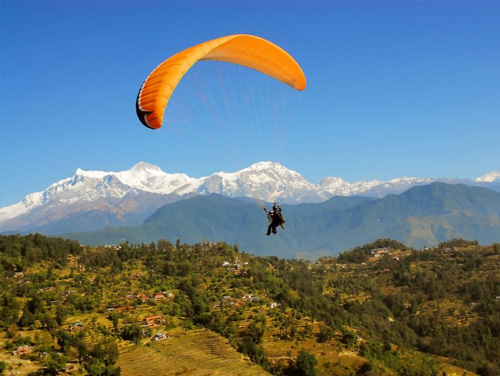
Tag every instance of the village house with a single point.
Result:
(158, 296)
(152, 321)
(136, 275)
(148, 324)
(235, 266)
(379, 252)
(127, 297)
(125, 308)
(168, 294)
(159, 336)
(114, 247)
(21, 350)
(247, 296)
(75, 326)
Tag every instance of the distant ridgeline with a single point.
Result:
(422, 216)
(375, 309)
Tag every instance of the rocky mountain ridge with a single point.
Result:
(128, 197)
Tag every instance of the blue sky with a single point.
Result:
(394, 88)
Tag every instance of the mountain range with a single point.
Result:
(422, 215)
(94, 200)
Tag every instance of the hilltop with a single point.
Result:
(378, 309)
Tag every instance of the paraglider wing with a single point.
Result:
(247, 50)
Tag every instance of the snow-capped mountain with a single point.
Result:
(265, 181)
(128, 197)
(339, 187)
(492, 177)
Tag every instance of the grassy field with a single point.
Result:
(196, 353)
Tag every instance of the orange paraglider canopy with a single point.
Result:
(247, 50)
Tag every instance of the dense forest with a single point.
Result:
(378, 309)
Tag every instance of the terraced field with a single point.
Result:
(197, 353)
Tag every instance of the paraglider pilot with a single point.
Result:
(275, 219)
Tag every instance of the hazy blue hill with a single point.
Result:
(422, 201)
(235, 221)
(217, 217)
(442, 198)
(88, 221)
(57, 218)
(423, 215)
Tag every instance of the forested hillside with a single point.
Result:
(209, 308)
(421, 216)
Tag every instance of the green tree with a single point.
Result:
(367, 367)
(64, 340)
(35, 305)
(47, 321)
(253, 351)
(55, 363)
(325, 333)
(104, 355)
(96, 367)
(349, 338)
(132, 332)
(113, 316)
(27, 320)
(256, 329)
(306, 363)
(9, 310)
(61, 314)
(82, 349)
